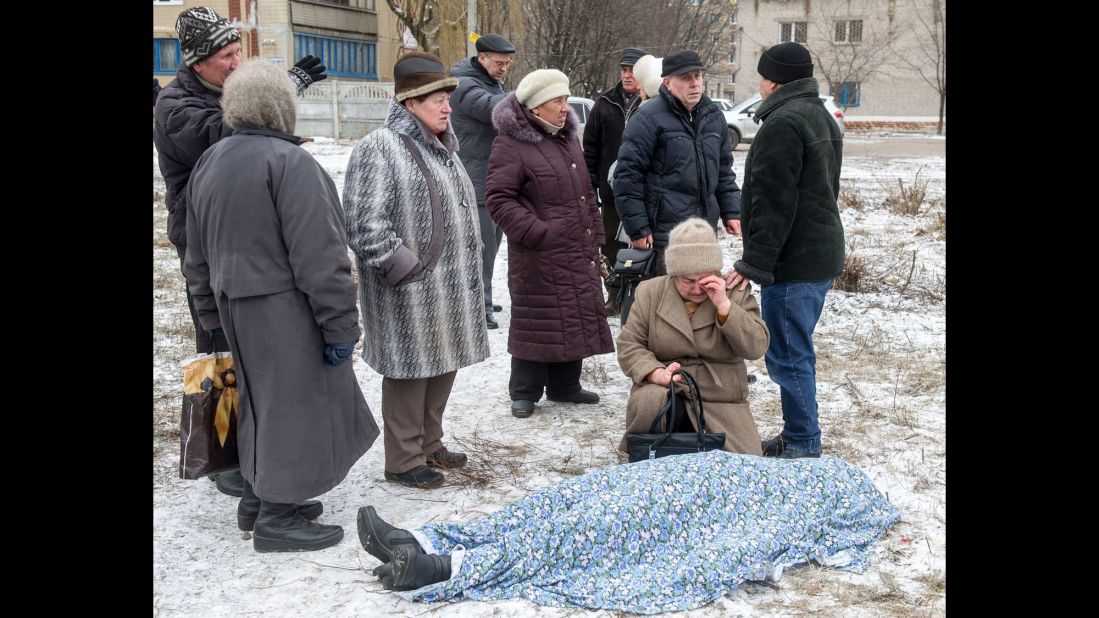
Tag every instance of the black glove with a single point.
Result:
(336, 353)
(308, 70)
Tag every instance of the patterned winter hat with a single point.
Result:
(202, 32)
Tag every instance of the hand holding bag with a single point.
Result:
(652, 445)
(632, 267)
(208, 426)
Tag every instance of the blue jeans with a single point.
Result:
(791, 311)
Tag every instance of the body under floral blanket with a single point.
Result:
(661, 535)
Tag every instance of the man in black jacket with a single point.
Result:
(793, 235)
(602, 137)
(480, 88)
(676, 161)
(188, 120)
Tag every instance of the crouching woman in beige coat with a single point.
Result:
(688, 319)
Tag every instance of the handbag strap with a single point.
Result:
(435, 245)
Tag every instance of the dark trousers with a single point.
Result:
(491, 235)
(530, 378)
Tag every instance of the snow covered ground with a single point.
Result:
(881, 389)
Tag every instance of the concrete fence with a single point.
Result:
(343, 110)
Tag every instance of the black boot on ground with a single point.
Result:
(409, 571)
(379, 539)
(491, 321)
(580, 396)
(421, 477)
(248, 509)
(773, 447)
(280, 527)
(230, 483)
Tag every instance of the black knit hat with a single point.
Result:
(418, 73)
(202, 32)
(494, 43)
(630, 56)
(785, 63)
(677, 63)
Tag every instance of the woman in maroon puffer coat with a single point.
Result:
(539, 192)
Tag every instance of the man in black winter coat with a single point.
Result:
(676, 161)
(188, 120)
(480, 89)
(602, 137)
(793, 235)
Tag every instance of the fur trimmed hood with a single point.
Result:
(511, 118)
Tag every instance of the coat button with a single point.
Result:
(450, 162)
(589, 231)
(593, 264)
(573, 165)
(583, 199)
(465, 204)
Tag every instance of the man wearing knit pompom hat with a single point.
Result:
(189, 120)
(793, 235)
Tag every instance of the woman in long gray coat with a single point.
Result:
(411, 217)
(267, 262)
(539, 192)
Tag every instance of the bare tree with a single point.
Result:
(847, 50)
(930, 59)
(439, 26)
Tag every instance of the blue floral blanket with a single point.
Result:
(667, 534)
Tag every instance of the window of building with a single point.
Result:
(715, 39)
(165, 55)
(714, 17)
(847, 94)
(342, 57)
(360, 4)
(732, 57)
(732, 17)
(847, 31)
(732, 78)
(792, 31)
(732, 38)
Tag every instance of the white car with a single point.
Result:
(582, 106)
(743, 125)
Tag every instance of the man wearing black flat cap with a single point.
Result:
(480, 88)
(793, 236)
(602, 137)
(676, 161)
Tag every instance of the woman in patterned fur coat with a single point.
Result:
(411, 218)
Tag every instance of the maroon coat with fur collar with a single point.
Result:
(539, 192)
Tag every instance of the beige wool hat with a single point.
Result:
(693, 248)
(541, 86)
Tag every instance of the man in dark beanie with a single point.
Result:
(793, 236)
(676, 160)
(188, 120)
(602, 137)
(480, 88)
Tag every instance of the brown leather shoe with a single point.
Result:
(445, 459)
(422, 477)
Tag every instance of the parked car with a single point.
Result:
(743, 125)
(582, 107)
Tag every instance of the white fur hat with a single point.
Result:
(541, 86)
(647, 73)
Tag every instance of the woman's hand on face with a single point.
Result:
(714, 287)
(663, 375)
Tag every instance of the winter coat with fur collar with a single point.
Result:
(539, 192)
(420, 320)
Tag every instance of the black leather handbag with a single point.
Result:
(632, 267)
(641, 446)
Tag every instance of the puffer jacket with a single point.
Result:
(672, 165)
(189, 120)
(471, 116)
(790, 220)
